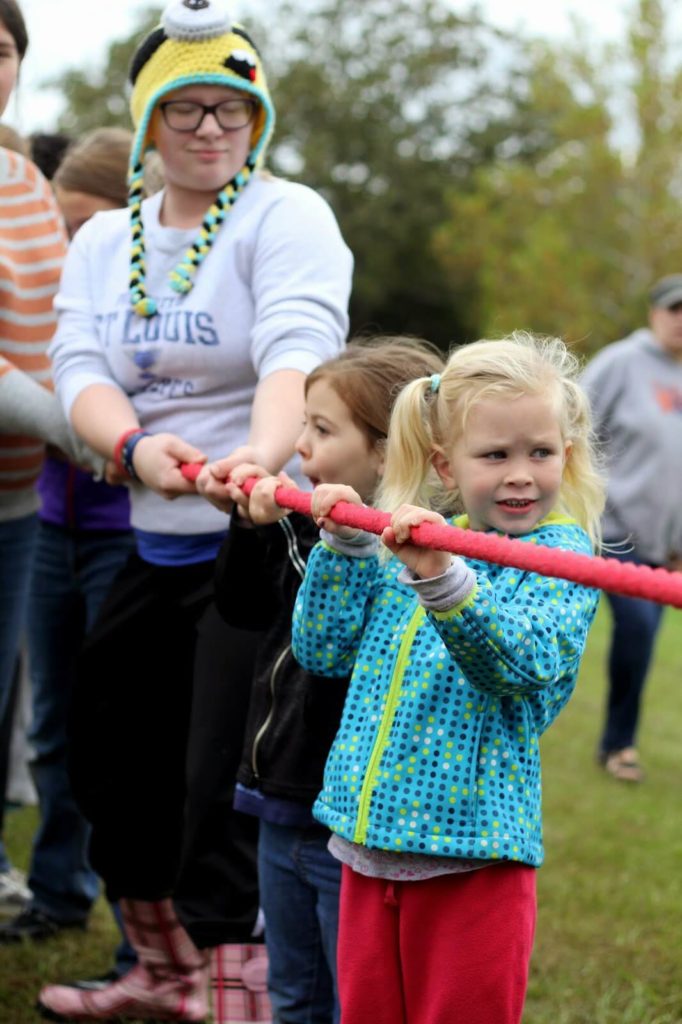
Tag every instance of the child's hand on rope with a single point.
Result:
(235, 483)
(324, 497)
(244, 502)
(423, 562)
(213, 482)
(221, 483)
(263, 509)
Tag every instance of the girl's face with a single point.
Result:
(77, 207)
(333, 449)
(205, 159)
(508, 463)
(9, 66)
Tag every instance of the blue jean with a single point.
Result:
(635, 625)
(299, 890)
(72, 575)
(17, 546)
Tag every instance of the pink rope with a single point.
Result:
(625, 578)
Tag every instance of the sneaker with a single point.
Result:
(33, 925)
(14, 893)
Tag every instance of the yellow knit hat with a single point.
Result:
(197, 42)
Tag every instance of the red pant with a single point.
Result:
(448, 950)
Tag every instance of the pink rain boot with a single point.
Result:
(170, 981)
(239, 980)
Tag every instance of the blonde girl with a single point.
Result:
(432, 786)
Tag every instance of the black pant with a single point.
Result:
(157, 726)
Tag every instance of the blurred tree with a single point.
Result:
(384, 105)
(100, 99)
(564, 238)
(483, 184)
(654, 195)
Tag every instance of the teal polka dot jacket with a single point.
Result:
(437, 751)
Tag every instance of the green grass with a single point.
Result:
(25, 968)
(608, 947)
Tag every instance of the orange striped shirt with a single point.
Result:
(32, 250)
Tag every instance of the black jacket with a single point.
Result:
(293, 714)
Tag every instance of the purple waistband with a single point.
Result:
(73, 498)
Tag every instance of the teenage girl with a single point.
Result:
(294, 714)
(432, 786)
(187, 325)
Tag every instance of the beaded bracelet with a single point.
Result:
(123, 452)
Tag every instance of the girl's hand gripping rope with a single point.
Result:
(263, 506)
(423, 562)
(213, 480)
(224, 488)
(234, 487)
(324, 498)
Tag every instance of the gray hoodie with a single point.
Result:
(635, 389)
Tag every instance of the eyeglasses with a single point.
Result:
(188, 115)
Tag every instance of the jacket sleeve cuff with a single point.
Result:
(441, 593)
(363, 545)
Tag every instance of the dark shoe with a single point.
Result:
(33, 925)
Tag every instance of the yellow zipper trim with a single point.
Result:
(385, 726)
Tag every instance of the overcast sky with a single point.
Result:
(76, 33)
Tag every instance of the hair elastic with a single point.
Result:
(435, 382)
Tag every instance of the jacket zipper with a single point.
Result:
(266, 724)
(385, 725)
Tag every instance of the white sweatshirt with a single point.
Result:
(272, 294)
